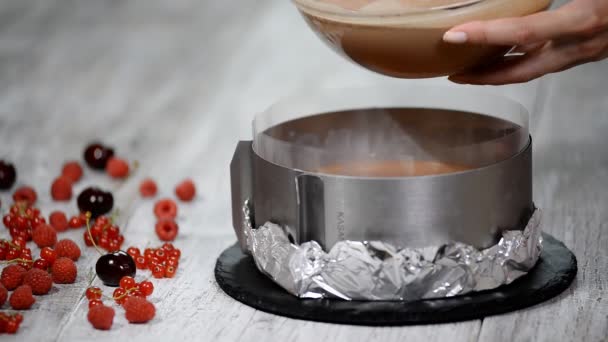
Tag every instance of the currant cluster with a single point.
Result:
(16, 251)
(128, 288)
(105, 234)
(46, 260)
(162, 261)
(22, 219)
(10, 323)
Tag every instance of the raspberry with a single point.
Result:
(165, 209)
(72, 170)
(166, 230)
(12, 276)
(22, 298)
(138, 310)
(44, 236)
(117, 168)
(147, 188)
(64, 271)
(59, 221)
(185, 190)
(3, 295)
(67, 248)
(61, 189)
(25, 194)
(101, 317)
(40, 281)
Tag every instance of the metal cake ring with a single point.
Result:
(373, 270)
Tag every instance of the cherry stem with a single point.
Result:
(88, 216)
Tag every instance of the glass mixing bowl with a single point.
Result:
(404, 38)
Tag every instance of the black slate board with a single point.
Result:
(237, 275)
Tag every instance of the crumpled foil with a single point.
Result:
(373, 270)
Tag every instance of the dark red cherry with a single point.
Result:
(97, 155)
(113, 266)
(8, 174)
(95, 201)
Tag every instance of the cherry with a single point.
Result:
(95, 201)
(8, 174)
(97, 155)
(113, 266)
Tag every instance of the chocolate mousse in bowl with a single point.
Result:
(404, 38)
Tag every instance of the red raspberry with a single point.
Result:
(64, 271)
(138, 310)
(40, 281)
(101, 317)
(185, 190)
(22, 298)
(44, 236)
(59, 221)
(117, 168)
(72, 170)
(12, 276)
(166, 230)
(25, 194)
(3, 295)
(67, 248)
(165, 209)
(61, 189)
(147, 188)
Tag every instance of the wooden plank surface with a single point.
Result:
(174, 84)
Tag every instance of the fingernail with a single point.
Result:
(455, 37)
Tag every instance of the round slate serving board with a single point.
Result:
(238, 276)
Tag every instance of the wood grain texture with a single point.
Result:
(175, 84)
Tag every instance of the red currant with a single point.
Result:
(140, 263)
(176, 253)
(127, 282)
(18, 317)
(158, 271)
(170, 272)
(48, 254)
(119, 295)
(75, 222)
(13, 254)
(93, 293)
(172, 262)
(160, 254)
(167, 246)
(11, 326)
(87, 239)
(133, 252)
(95, 302)
(113, 231)
(146, 287)
(113, 246)
(41, 264)
(8, 220)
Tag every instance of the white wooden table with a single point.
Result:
(175, 84)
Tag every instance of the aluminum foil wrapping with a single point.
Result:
(373, 270)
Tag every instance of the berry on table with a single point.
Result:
(133, 252)
(139, 310)
(148, 188)
(22, 298)
(59, 221)
(146, 288)
(72, 170)
(44, 236)
(97, 155)
(76, 222)
(41, 264)
(64, 271)
(61, 189)
(101, 317)
(119, 295)
(67, 248)
(166, 230)
(40, 281)
(111, 267)
(117, 168)
(3, 295)
(8, 174)
(95, 201)
(12, 276)
(165, 209)
(95, 302)
(48, 254)
(140, 263)
(158, 271)
(127, 282)
(170, 271)
(93, 292)
(25, 194)
(185, 190)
